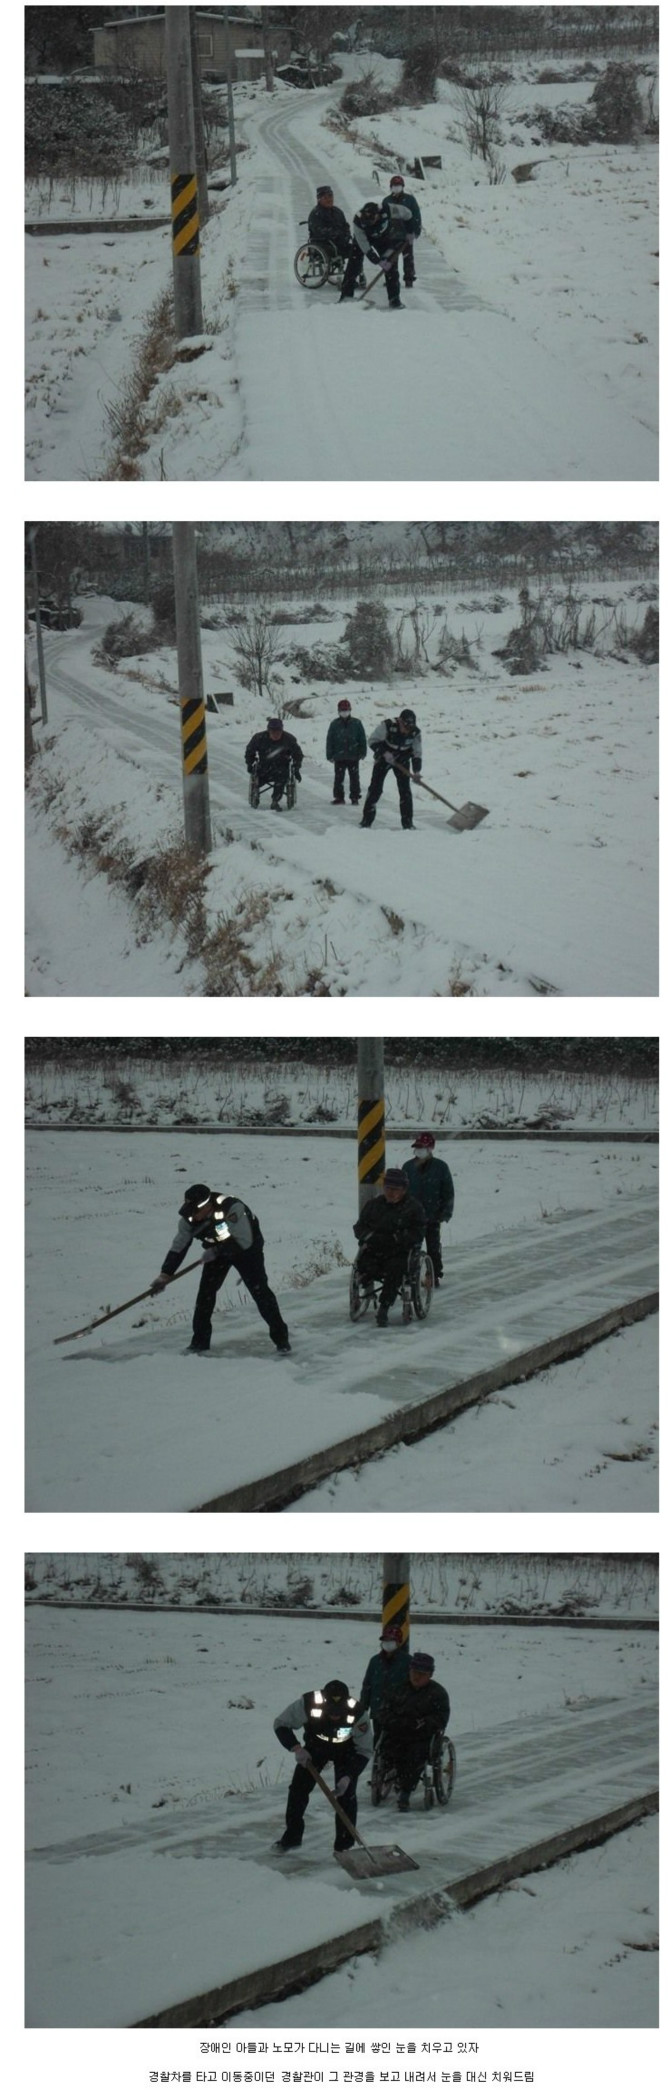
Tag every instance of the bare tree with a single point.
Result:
(481, 103)
(257, 647)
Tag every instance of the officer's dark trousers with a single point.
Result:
(250, 1264)
(346, 1761)
(355, 264)
(375, 788)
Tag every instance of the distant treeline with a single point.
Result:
(634, 1058)
(318, 559)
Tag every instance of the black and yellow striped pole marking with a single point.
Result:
(195, 780)
(193, 736)
(185, 215)
(371, 1125)
(395, 1592)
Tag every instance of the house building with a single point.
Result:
(139, 41)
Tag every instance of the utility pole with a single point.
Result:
(29, 746)
(32, 534)
(231, 106)
(395, 1592)
(197, 823)
(198, 121)
(183, 178)
(371, 1131)
(267, 50)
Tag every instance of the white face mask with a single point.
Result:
(422, 1158)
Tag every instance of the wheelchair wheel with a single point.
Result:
(311, 266)
(444, 1772)
(254, 790)
(290, 790)
(382, 1779)
(422, 1285)
(359, 1297)
(428, 1793)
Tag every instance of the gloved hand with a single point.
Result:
(301, 1755)
(159, 1283)
(298, 775)
(342, 1786)
(387, 265)
(388, 756)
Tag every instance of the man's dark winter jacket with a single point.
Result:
(346, 740)
(420, 1713)
(395, 1228)
(329, 224)
(270, 752)
(407, 746)
(231, 1223)
(432, 1182)
(405, 211)
(309, 1713)
(387, 237)
(385, 1676)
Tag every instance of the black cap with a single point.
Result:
(336, 1690)
(198, 1194)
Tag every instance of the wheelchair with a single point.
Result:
(437, 1777)
(255, 785)
(416, 1290)
(316, 264)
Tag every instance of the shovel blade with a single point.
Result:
(368, 1864)
(468, 815)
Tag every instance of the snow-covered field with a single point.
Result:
(544, 1237)
(156, 1788)
(555, 892)
(530, 336)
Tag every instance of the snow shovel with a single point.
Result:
(365, 1864)
(468, 815)
(90, 1325)
(370, 286)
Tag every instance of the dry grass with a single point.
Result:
(128, 420)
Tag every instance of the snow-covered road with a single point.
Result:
(325, 391)
(468, 383)
(112, 1418)
(156, 1791)
(527, 914)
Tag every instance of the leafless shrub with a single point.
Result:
(481, 103)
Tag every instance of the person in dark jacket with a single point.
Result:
(377, 234)
(327, 225)
(335, 1730)
(398, 740)
(386, 1674)
(405, 210)
(432, 1182)
(346, 748)
(232, 1240)
(388, 1228)
(417, 1713)
(274, 750)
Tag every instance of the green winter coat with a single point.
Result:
(346, 740)
(432, 1183)
(384, 1676)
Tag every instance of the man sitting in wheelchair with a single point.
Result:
(389, 1228)
(273, 752)
(417, 1715)
(327, 225)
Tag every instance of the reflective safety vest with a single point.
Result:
(329, 1728)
